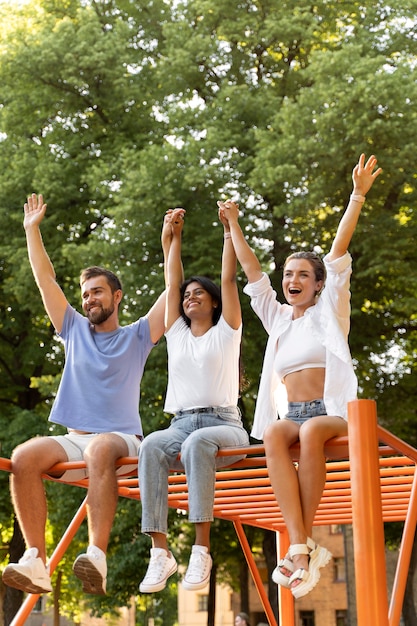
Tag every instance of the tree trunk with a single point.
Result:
(13, 597)
(57, 592)
(269, 547)
(244, 586)
(211, 613)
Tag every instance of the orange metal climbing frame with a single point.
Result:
(371, 479)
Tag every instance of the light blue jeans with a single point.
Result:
(196, 434)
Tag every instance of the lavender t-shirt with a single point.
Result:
(100, 386)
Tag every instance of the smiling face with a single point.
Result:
(299, 283)
(197, 301)
(196, 291)
(99, 302)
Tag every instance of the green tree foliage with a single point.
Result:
(117, 110)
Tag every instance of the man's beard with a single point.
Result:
(99, 315)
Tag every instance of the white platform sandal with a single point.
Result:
(278, 576)
(318, 558)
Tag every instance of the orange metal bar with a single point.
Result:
(5, 465)
(31, 599)
(403, 563)
(368, 530)
(255, 573)
(397, 444)
(285, 597)
(362, 487)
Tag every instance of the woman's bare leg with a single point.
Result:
(312, 463)
(284, 478)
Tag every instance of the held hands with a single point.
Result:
(363, 175)
(173, 224)
(228, 212)
(34, 210)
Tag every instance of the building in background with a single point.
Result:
(326, 605)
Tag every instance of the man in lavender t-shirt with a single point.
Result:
(98, 403)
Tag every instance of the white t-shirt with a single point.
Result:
(202, 371)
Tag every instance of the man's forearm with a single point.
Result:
(40, 262)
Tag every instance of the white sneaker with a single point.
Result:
(29, 574)
(197, 575)
(160, 568)
(91, 569)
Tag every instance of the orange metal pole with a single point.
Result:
(368, 529)
(255, 573)
(286, 599)
(5, 464)
(403, 564)
(32, 598)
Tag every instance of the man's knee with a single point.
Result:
(34, 455)
(20, 459)
(106, 445)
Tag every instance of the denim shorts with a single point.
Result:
(300, 412)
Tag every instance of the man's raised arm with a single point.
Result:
(54, 300)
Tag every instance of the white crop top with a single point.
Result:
(298, 350)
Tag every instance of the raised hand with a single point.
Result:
(34, 210)
(363, 175)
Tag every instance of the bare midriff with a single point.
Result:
(305, 385)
